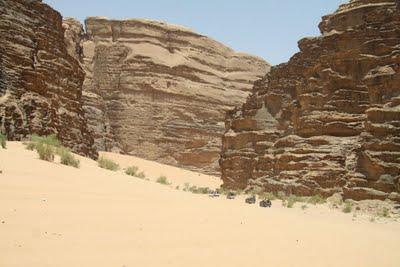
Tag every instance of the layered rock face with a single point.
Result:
(328, 120)
(40, 83)
(161, 91)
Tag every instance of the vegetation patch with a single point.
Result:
(317, 199)
(50, 140)
(268, 195)
(107, 164)
(199, 190)
(131, 171)
(348, 207)
(3, 141)
(67, 158)
(163, 180)
(383, 212)
(30, 146)
(134, 171)
(141, 175)
(45, 152)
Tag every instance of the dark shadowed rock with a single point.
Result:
(40, 83)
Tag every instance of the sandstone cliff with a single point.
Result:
(160, 91)
(40, 83)
(328, 120)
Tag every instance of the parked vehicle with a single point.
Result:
(266, 203)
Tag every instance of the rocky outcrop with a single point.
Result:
(40, 83)
(160, 91)
(328, 120)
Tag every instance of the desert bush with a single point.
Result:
(45, 152)
(384, 212)
(281, 195)
(132, 171)
(199, 190)
(163, 180)
(186, 187)
(268, 195)
(66, 158)
(3, 141)
(291, 200)
(141, 175)
(223, 191)
(303, 207)
(107, 164)
(317, 199)
(348, 207)
(30, 146)
(50, 140)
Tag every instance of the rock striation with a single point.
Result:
(40, 83)
(160, 91)
(328, 120)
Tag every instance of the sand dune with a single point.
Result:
(54, 215)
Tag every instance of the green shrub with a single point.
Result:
(348, 207)
(3, 141)
(66, 158)
(30, 146)
(107, 164)
(199, 190)
(141, 175)
(223, 191)
(303, 207)
(186, 187)
(281, 195)
(45, 152)
(132, 171)
(268, 195)
(317, 199)
(291, 200)
(162, 180)
(384, 212)
(49, 140)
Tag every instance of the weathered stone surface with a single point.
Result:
(328, 120)
(160, 91)
(40, 83)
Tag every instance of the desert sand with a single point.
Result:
(55, 215)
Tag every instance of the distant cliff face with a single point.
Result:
(328, 120)
(160, 91)
(40, 83)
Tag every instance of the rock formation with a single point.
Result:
(160, 91)
(328, 120)
(40, 83)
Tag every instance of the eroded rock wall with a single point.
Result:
(328, 120)
(160, 91)
(40, 83)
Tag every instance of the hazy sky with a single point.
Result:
(267, 28)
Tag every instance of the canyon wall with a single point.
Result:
(40, 83)
(160, 91)
(328, 120)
